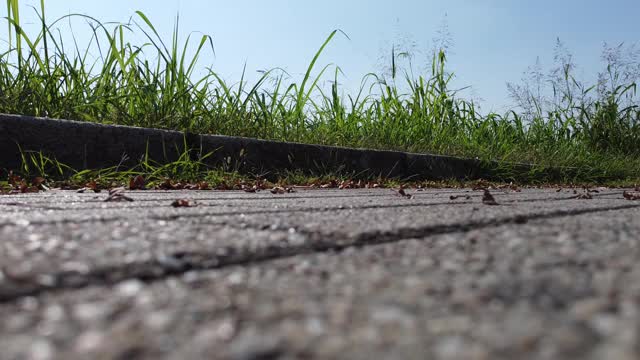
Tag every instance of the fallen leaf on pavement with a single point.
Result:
(401, 192)
(203, 185)
(282, 190)
(182, 203)
(166, 185)
(14, 180)
(91, 185)
(488, 199)
(346, 184)
(39, 182)
(330, 184)
(631, 195)
(249, 189)
(137, 183)
(25, 188)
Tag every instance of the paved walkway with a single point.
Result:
(351, 274)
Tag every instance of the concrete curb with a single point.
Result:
(85, 145)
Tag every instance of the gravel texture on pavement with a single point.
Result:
(349, 274)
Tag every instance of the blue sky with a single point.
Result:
(494, 40)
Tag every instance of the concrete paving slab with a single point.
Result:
(554, 288)
(57, 206)
(74, 247)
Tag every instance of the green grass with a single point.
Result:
(39, 172)
(154, 84)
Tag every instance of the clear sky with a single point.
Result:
(494, 40)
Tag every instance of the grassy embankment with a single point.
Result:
(114, 81)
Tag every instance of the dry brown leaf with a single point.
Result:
(137, 183)
(346, 184)
(488, 199)
(282, 190)
(631, 195)
(90, 185)
(93, 185)
(37, 181)
(331, 184)
(260, 185)
(14, 180)
(401, 192)
(40, 183)
(182, 203)
(250, 189)
(166, 185)
(25, 188)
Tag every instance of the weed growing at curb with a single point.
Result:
(40, 173)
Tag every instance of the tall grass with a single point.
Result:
(41, 75)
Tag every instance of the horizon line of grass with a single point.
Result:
(403, 112)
